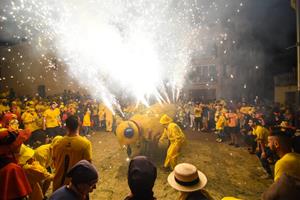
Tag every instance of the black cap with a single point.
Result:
(141, 176)
(83, 172)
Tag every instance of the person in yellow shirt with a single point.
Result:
(101, 115)
(94, 116)
(68, 151)
(43, 154)
(30, 119)
(86, 122)
(176, 137)
(220, 126)
(198, 117)
(263, 152)
(51, 121)
(37, 175)
(289, 162)
(108, 119)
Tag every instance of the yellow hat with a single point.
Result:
(25, 154)
(165, 119)
(127, 132)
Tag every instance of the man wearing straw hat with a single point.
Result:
(189, 181)
(176, 137)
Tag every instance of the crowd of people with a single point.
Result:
(44, 141)
(246, 125)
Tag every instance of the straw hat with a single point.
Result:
(187, 178)
(165, 119)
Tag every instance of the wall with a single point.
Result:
(280, 91)
(23, 68)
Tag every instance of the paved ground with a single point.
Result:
(230, 171)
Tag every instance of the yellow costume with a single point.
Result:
(101, 114)
(87, 119)
(35, 172)
(176, 137)
(108, 119)
(66, 153)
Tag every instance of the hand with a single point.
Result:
(257, 149)
(263, 155)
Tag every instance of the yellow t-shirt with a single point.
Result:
(198, 112)
(30, 121)
(43, 155)
(72, 148)
(261, 133)
(87, 119)
(221, 123)
(289, 164)
(52, 118)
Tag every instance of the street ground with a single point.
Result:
(230, 171)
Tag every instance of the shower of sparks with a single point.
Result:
(132, 47)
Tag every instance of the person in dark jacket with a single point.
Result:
(142, 174)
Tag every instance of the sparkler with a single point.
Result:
(128, 46)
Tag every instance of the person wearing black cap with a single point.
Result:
(84, 177)
(141, 177)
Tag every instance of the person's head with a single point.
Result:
(53, 105)
(186, 178)
(279, 142)
(72, 123)
(84, 177)
(165, 120)
(286, 187)
(11, 141)
(253, 122)
(141, 177)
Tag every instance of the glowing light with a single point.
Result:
(112, 47)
